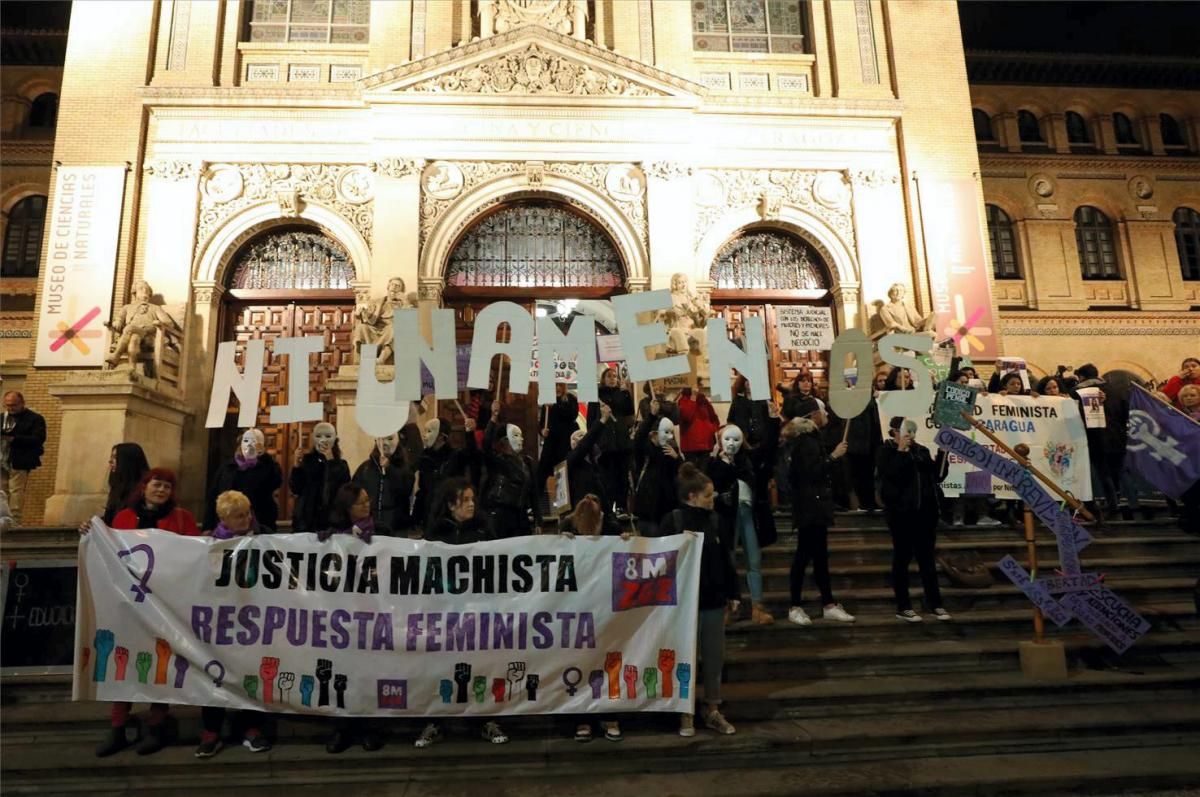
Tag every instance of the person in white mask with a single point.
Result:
(316, 479)
(439, 461)
(388, 480)
(252, 472)
(740, 475)
(509, 494)
(654, 494)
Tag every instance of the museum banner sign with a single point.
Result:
(81, 251)
(958, 278)
(394, 627)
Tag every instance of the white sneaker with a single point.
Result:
(798, 616)
(715, 720)
(942, 614)
(958, 522)
(836, 612)
(988, 520)
(908, 616)
(687, 725)
(428, 736)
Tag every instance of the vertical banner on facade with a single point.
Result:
(81, 233)
(394, 627)
(958, 279)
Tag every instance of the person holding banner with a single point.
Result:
(153, 507)
(908, 485)
(453, 521)
(509, 496)
(718, 590)
(235, 518)
(127, 466)
(320, 473)
(808, 479)
(350, 513)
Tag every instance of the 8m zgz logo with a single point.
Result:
(643, 579)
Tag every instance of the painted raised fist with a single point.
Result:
(103, 642)
(181, 668)
(684, 673)
(250, 684)
(324, 674)
(446, 690)
(596, 681)
(650, 681)
(339, 686)
(307, 682)
(121, 657)
(267, 670)
(666, 663)
(479, 687)
(516, 672)
(462, 677)
(143, 663)
(630, 673)
(531, 685)
(162, 648)
(612, 666)
(287, 680)
(499, 688)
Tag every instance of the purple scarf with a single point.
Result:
(222, 532)
(242, 462)
(366, 526)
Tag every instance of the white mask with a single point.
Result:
(324, 436)
(433, 428)
(576, 437)
(666, 432)
(253, 443)
(387, 445)
(731, 440)
(516, 438)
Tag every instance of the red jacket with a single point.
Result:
(1173, 386)
(179, 521)
(698, 424)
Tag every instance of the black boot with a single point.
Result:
(371, 741)
(115, 742)
(154, 740)
(339, 742)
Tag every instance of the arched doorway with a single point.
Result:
(761, 269)
(540, 253)
(290, 280)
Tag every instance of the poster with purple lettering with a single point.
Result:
(1050, 426)
(396, 627)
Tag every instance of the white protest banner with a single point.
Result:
(804, 328)
(1050, 426)
(397, 627)
(1093, 407)
(81, 252)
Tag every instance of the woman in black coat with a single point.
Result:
(616, 441)
(510, 499)
(654, 495)
(316, 480)
(254, 473)
(584, 475)
(556, 423)
(909, 478)
(388, 480)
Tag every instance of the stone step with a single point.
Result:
(1128, 732)
(831, 658)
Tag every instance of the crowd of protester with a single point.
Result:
(661, 466)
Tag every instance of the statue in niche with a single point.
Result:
(897, 316)
(373, 321)
(137, 327)
(687, 324)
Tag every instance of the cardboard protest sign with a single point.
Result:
(397, 627)
(801, 328)
(951, 402)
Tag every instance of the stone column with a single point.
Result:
(847, 307)
(1056, 125)
(1007, 122)
(670, 207)
(200, 340)
(100, 408)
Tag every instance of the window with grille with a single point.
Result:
(1004, 250)
(1123, 128)
(530, 244)
(1028, 128)
(1077, 129)
(768, 260)
(1187, 240)
(310, 21)
(296, 259)
(749, 26)
(1172, 134)
(983, 125)
(1094, 240)
(23, 237)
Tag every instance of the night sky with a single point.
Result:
(1133, 27)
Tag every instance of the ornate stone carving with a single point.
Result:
(398, 167)
(356, 185)
(568, 17)
(206, 293)
(625, 182)
(535, 174)
(442, 180)
(373, 320)
(631, 191)
(474, 173)
(170, 169)
(719, 191)
(230, 187)
(430, 292)
(872, 178)
(667, 170)
(533, 71)
(1141, 188)
(1042, 185)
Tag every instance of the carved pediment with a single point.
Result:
(531, 61)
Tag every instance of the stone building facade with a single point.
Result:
(1091, 178)
(285, 160)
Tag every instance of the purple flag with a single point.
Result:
(1163, 445)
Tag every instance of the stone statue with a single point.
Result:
(900, 317)
(137, 325)
(687, 322)
(373, 320)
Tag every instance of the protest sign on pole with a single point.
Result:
(802, 328)
(396, 627)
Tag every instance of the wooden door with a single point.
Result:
(246, 321)
(783, 365)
